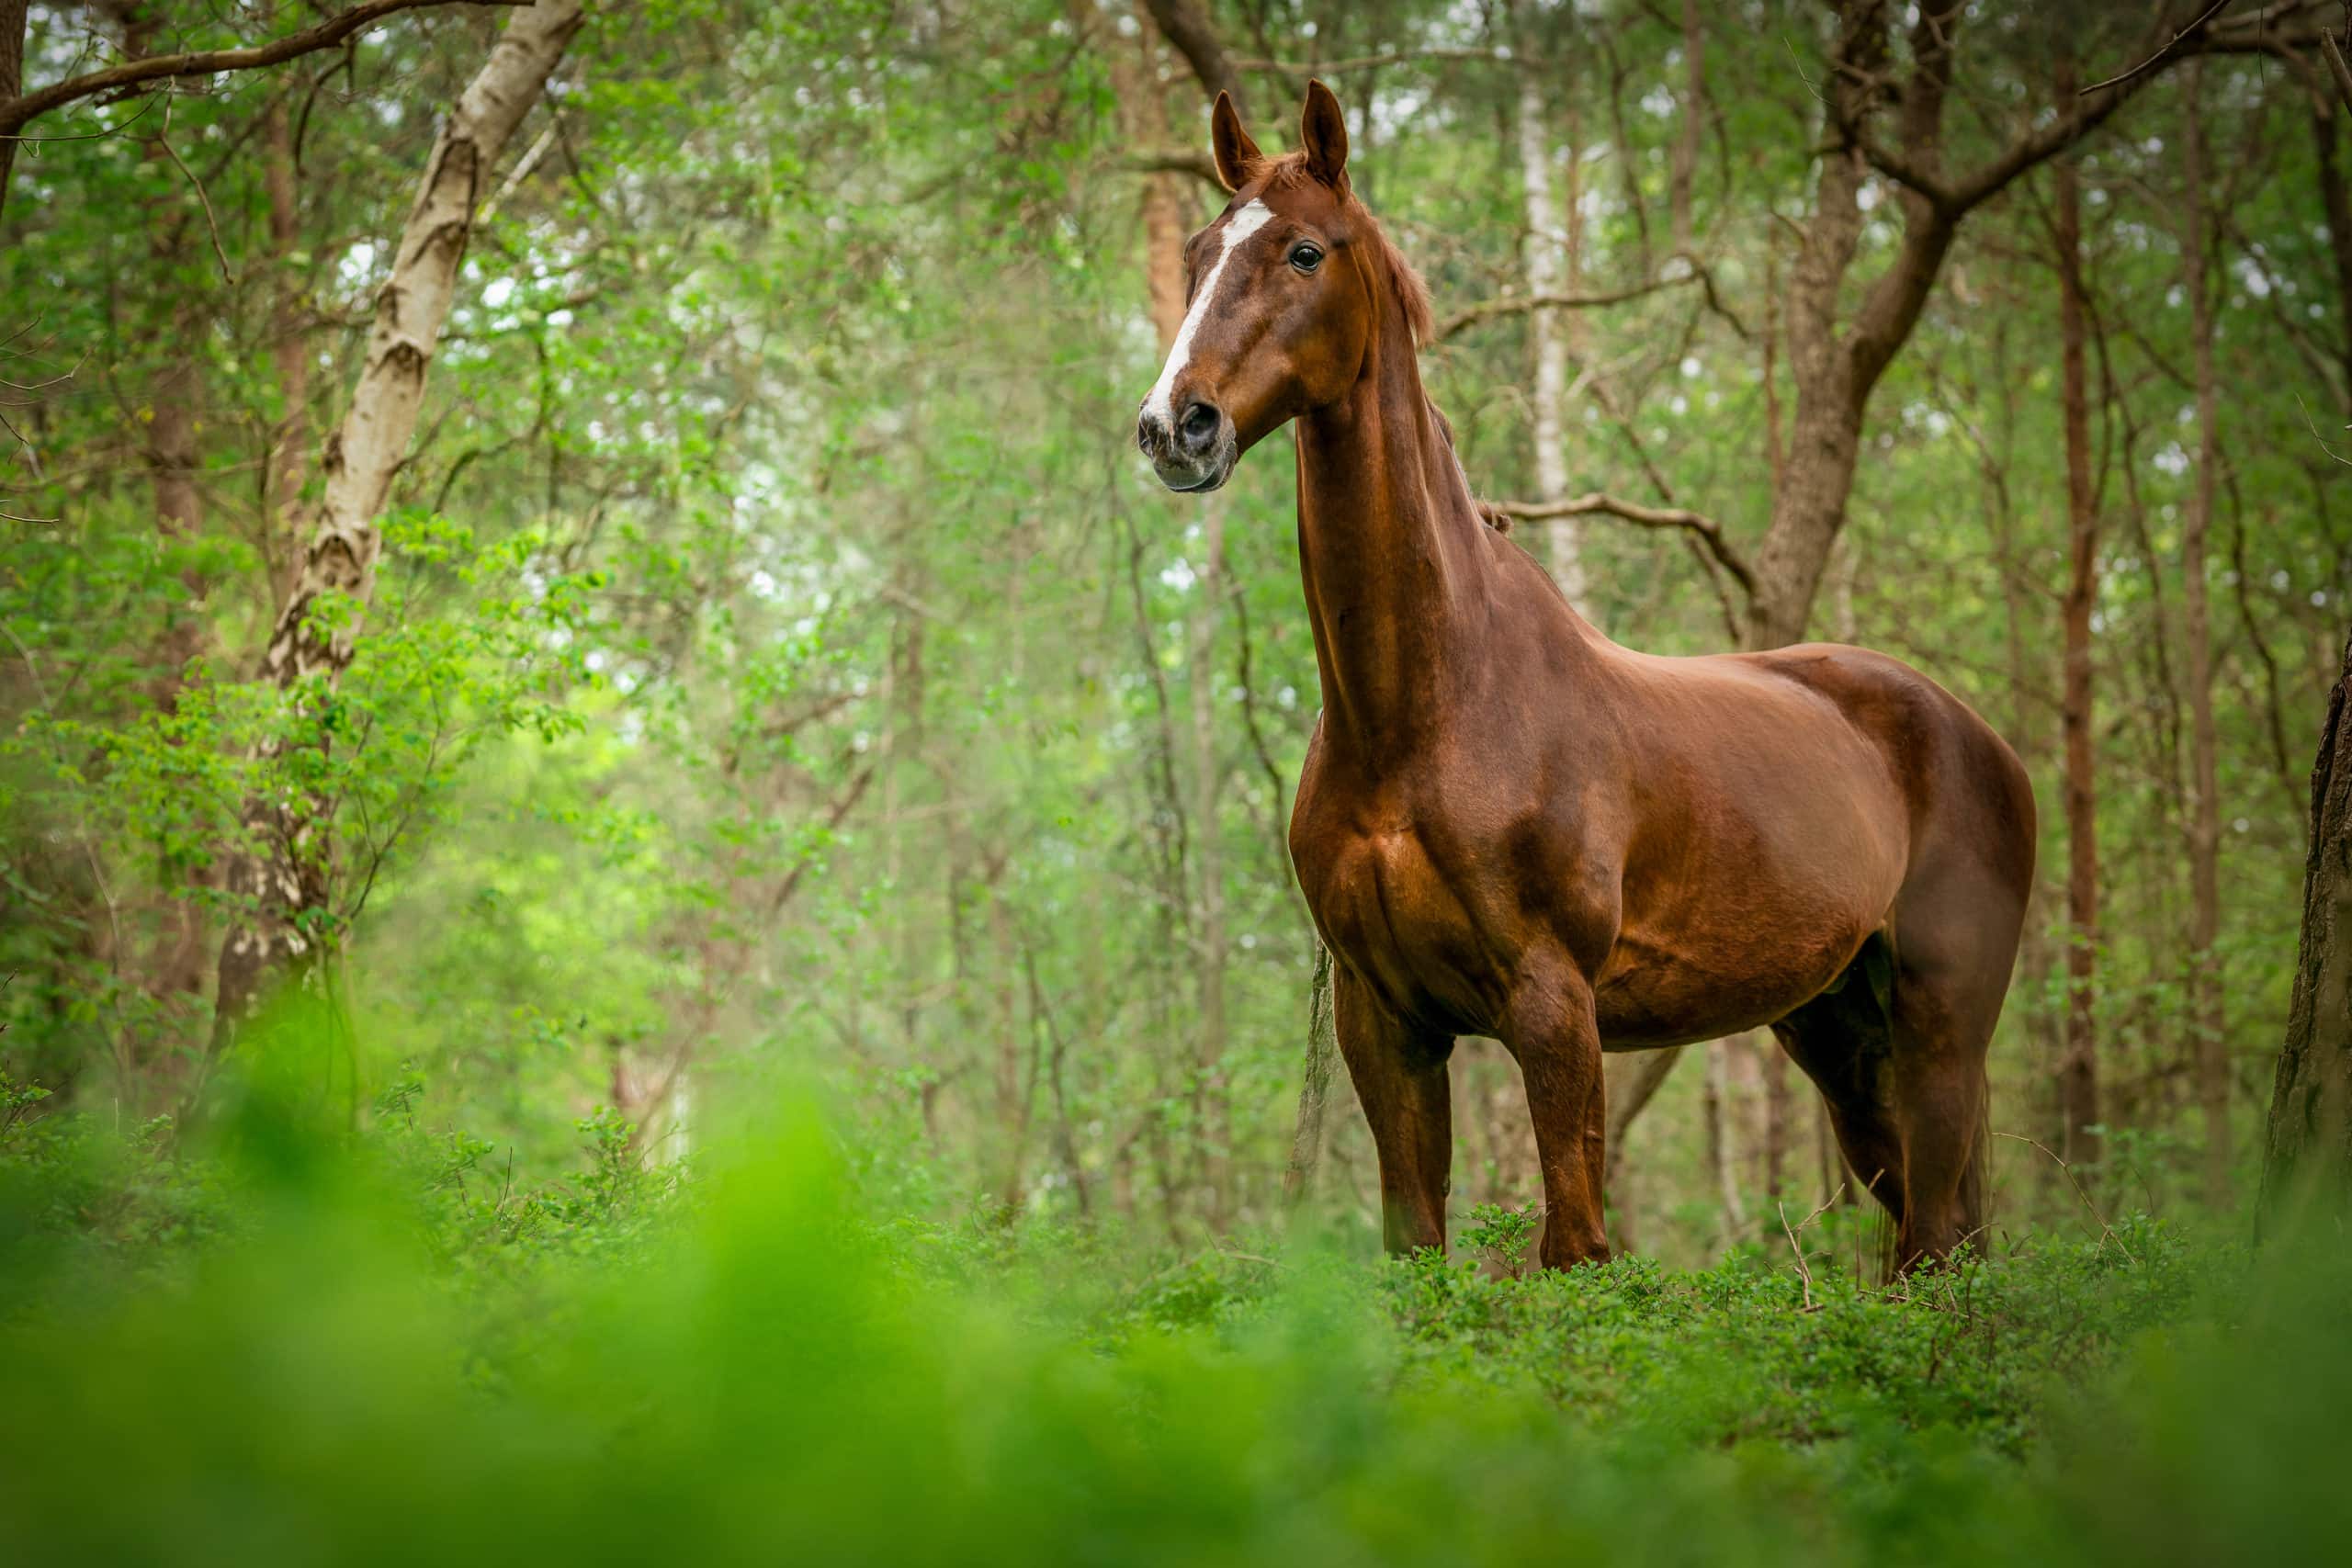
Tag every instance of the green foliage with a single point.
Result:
(374, 1367)
(779, 674)
(1503, 1235)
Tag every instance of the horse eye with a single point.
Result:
(1305, 257)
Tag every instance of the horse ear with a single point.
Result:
(1230, 145)
(1323, 131)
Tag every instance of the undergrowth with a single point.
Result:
(285, 1343)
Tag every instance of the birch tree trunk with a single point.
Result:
(284, 870)
(1542, 254)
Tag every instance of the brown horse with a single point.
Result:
(1509, 825)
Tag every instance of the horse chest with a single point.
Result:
(1412, 923)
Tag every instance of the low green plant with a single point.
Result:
(396, 1352)
(1503, 1235)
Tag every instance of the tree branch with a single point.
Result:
(1709, 531)
(1519, 304)
(1374, 61)
(17, 113)
(2171, 43)
(1185, 24)
(2336, 65)
(1171, 160)
(2262, 32)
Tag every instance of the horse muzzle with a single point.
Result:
(1192, 454)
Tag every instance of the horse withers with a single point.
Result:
(1509, 825)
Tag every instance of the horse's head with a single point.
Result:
(1284, 294)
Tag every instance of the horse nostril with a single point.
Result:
(1201, 423)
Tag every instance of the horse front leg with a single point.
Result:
(1558, 1041)
(1400, 1074)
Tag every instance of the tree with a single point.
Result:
(2209, 1055)
(2307, 1159)
(2078, 1062)
(19, 108)
(283, 873)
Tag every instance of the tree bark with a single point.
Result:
(12, 77)
(2206, 1018)
(1543, 252)
(1628, 1092)
(1208, 859)
(2307, 1159)
(2078, 1060)
(1184, 24)
(1684, 167)
(1780, 1116)
(2335, 201)
(284, 872)
(1723, 1155)
(289, 354)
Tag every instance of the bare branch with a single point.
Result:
(1594, 503)
(211, 224)
(1171, 161)
(1519, 304)
(1374, 61)
(2342, 72)
(2262, 32)
(16, 113)
(2171, 43)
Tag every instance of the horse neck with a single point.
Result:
(1398, 577)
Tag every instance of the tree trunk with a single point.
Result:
(175, 967)
(1628, 1090)
(1723, 1155)
(1684, 168)
(284, 872)
(289, 354)
(12, 78)
(1215, 1123)
(2206, 1020)
(1780, 1117)
(1315, 1088)
(2307, 1162)
(2326, 115)
(1543, 252)
(2078, 1061)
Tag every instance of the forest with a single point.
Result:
(651, 890)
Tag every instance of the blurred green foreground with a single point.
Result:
(302, 1345)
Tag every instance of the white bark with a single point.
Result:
(362, 457)
(1543, 254)
(285, 874)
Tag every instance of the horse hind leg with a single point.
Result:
(1844, 1040)
(1945, 1009)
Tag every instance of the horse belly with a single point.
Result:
(1741, 948)
(1653, 993)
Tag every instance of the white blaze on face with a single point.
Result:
(1239, 226)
